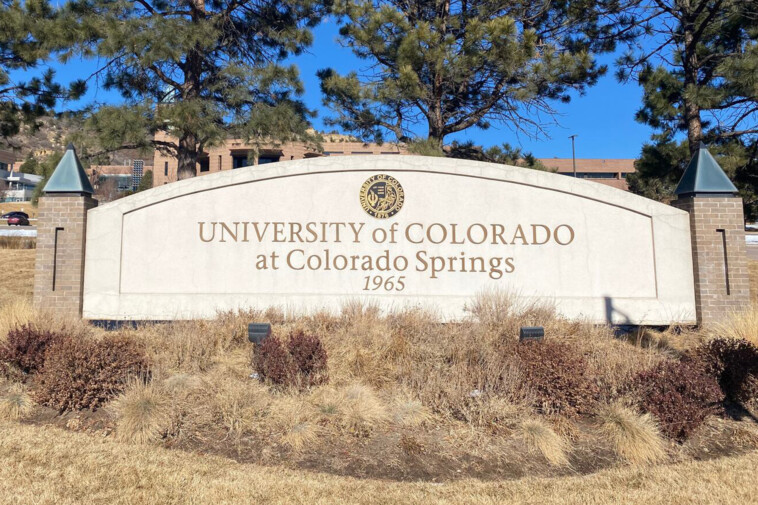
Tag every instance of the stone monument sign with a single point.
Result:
(399, 231)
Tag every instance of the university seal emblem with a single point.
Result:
(382, 196)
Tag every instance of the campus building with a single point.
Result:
(236, 154)
(15, 186)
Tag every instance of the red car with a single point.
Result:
(18, 220)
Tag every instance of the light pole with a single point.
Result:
(573, 152)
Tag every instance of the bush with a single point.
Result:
(84, 374)
(309, 357)
(301, 363)
(734, 364)
(679, 394)
(557, 376)
(26, 346)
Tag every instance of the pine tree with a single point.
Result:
(29, 33)
(697, 61)
(450, 65)
(196, 71)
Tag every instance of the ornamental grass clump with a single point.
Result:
(86, 373)
(636, 438)
(142, 413)
(15, 403)
(679, 394)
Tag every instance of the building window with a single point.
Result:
(165, 169)
(239, 160)
(330, 153)
(388, 152)
(262, 160)
(205, 164)
(219, 162)
(361, 152)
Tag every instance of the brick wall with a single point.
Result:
(721, 276)
(59, 268)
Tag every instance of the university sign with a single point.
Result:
(399, 231)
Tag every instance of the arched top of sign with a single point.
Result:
(386, 165)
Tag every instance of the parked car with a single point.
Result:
(18, 220)
(14, 213)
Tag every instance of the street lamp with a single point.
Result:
(573, 152)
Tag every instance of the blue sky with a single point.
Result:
(602, 119)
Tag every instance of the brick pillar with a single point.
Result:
(59, 269)
(718, 253)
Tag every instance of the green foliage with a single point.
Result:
(505, 155)
(28, 35)
(196, 71)
(146, 182)
(662, 164)
(461, 64)
(29, 166)
(45, 169)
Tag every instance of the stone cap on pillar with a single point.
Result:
(69, 176)
(704, 177)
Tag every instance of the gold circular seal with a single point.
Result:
(382, 196)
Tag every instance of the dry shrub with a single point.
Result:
(15, 402)
(742, 325)
(538, 435)
(301, 363)
(679, 395)
(25, 347)
(557, 375)
(192, 346)
(142, 413)
(309, 357)
(86, 373)
(734, 363)
(635, 437)
(505, 311)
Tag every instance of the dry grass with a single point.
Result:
(17, 280)
(635, 437)
(27, 207)
(49, 466)
(15, 402)
(540, 436)
(739, 325)
(142, 413)
(17, 242)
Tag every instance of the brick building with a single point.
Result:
(236, 154)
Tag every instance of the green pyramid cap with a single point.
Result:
(704, 176)
(69, 176)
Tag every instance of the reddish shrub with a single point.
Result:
(734, 364)
(679, 394)
(84, 374)
(557, 374)
(310, 358)
(274, 363)
(25, 347)
(301, 363)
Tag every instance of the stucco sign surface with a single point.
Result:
(396, 230)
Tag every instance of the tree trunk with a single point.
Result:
(187, 157)
(691, 109)
(187, 151)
